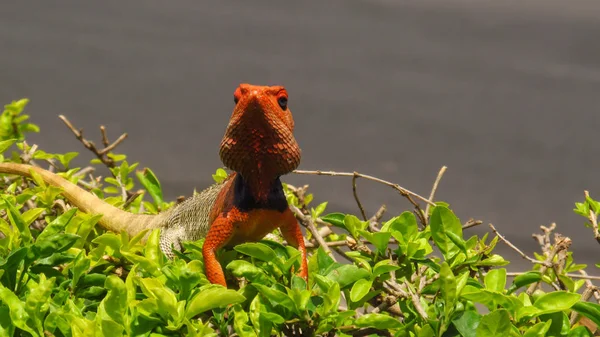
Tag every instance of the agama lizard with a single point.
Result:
(259, 146)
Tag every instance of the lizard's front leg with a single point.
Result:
(290, 229)
(220, 232)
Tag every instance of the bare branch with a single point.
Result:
(472, 223)
(583, 276)
(90, 145)
(397, 187)
(374, 221)
(561, 243)
(308, 222)
(105, 141)
(508, 243)
(360, 206)
(114, 144)
(434, 188)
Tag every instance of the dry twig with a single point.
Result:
(100, 153)
(434, 188)
(403, 191)
(508, 243)
(360, 206)
(309, 224)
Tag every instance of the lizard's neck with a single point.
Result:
(255, 193)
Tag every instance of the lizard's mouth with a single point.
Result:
(258, 143)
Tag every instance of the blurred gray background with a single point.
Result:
(505, 93)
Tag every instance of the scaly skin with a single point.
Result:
(259, 147)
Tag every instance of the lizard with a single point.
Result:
(258, 147)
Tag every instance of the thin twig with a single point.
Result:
(132, 198)
(105, 141)
(576, 276)
(341, 243)
(307, 220)
(114, 144)
(434, 188)
(416, 301)
(589, 283)
(561, 243)
(374, 221)
(90, 145)
(397, 187)
(508, 243)
(84, 171)
(360, 206)
(472, 223)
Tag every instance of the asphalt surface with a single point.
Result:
(505, 93)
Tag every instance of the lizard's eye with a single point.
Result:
(282, 101)
(236, 95)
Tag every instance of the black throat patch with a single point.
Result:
(244, 201)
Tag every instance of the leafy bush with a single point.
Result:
(61, 275)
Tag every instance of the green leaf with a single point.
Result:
(494, 324)
(31, 215)
(37, 178)
(66, 158)
(240, 322)
(316, 212)
(589, 310)
(538, 330)
(360, 289)
(556, 301)
(5, 144)
(258, 251)
(57, 225)
(493, 261)
(352, 225)
(276, 297)
(220, 175)
(336, 219)
(580, 331)
(37, 299)
(55, 244)
(164, 296)
(150, 182)
(380, 240)
(524, 280)
(405, 223)
(17, 220)
(458, 241)
(384, 266)
(442, 221)
(347, 274)
(114, 305)
(467, 323)
(322, 261)
(378, 321)
(18, 314)
(448, 288)
(10, 266)
(241, 268)
(495, 280)
(6, 326)
(211, 297)
(273, 317)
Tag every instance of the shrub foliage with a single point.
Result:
(61, 275)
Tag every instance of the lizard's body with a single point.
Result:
(259, 147)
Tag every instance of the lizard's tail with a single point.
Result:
(113, 218)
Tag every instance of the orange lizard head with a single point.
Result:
(259, 142)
